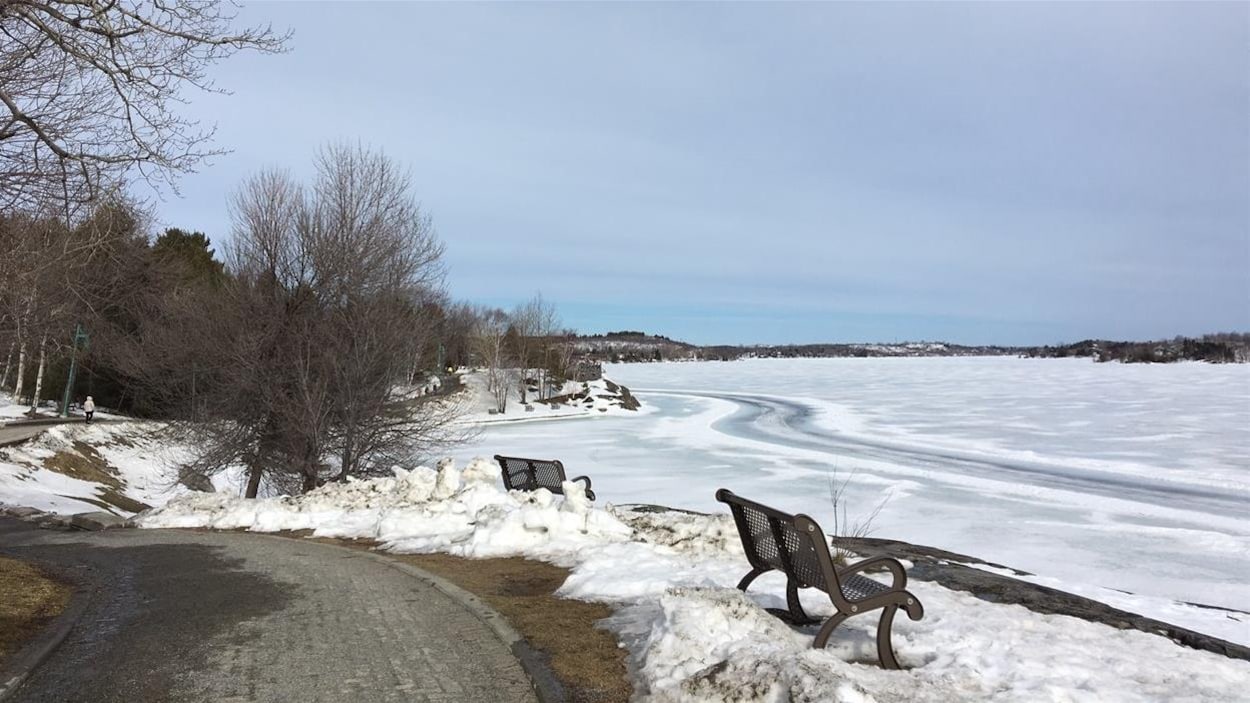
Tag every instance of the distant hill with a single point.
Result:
(628, 346)
(1222, 348)
(791, 351)
(631, 346)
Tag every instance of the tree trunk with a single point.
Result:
(34, 401)
(8, 363)
(21, 371)
(309, 468)
(345, 467)
(253, 480)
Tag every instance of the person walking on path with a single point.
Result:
(88, 409)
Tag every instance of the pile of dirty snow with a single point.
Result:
(421, 510)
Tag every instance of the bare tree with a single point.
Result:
(457, 332)
(490, 345)
(534, 323)
(89, 92)
(564, 355)
(34, 307)
(547, 336)
(303, 356)
(376, 259)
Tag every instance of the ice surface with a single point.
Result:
(1099, 478)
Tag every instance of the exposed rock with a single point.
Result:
(195, 481)
(52, 521)
(651, 508)
(628, 401)
(950, 570)
(97, 521)
(23, 513)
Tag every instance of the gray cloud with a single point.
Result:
(790, 172)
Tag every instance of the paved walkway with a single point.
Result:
(187, 616)
(14, 434)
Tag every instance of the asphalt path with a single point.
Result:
(202, 616)
(12, 434)
(17, 430)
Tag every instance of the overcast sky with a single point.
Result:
(1010, 173)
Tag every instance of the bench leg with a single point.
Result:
(822, 637)
(885, 649)
(751, 576)
(799, 615)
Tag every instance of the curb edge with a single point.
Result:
(35, 653)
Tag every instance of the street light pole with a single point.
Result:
(80, 337)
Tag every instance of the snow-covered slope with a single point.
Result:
(122, 468)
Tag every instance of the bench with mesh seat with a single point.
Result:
(521, 474)
(796, 546)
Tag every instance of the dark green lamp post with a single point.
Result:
(80, 341)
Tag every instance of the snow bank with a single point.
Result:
(692, 637)
(422, 510)
(718, 645)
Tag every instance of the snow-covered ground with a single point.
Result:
(140, 464)
(10, 411)
(692, 637)
(593, 399)
(77, 468)
(1129, 484)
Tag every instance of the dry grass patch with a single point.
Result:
(83, 462)
(29, 600)
(586, 659)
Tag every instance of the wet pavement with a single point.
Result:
(199, 616)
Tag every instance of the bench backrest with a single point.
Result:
(794, 545)
(521, 474)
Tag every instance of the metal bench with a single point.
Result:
(520, 474)
(796, 546)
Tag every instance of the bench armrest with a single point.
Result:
(586, 479)
(895, 568)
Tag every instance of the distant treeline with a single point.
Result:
(813, 351)
(632, 346)
(1221, 348)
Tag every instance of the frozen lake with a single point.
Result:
(1126, 483)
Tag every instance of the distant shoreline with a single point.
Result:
(630, 347)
